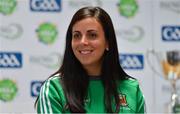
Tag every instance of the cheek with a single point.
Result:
(99, 50)
(101, 45)
(73, 46)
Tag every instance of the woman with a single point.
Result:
(90, 78)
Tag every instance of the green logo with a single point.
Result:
(47, 33)
(128, 8)
(8, 90)
(7, 6)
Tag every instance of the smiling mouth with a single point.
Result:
(85, 51)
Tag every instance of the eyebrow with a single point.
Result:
(75, 31)
(92, 31)
(87, 31)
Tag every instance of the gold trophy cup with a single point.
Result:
(169, 62)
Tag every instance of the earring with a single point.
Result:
(107, 49)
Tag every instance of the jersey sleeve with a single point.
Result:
(49, 101)
(140, 101)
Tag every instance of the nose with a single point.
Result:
(84, 40)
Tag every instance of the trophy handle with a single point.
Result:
(153, 54)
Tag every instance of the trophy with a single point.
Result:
(169, 62)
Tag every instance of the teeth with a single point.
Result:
(85, 52)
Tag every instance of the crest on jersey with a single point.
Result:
(122, 99)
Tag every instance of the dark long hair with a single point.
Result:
(75, 79)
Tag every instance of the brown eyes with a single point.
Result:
(76, 35)
(92, 35)
(89, 35)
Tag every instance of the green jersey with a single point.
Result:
(52, 99)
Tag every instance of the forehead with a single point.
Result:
(87, 23)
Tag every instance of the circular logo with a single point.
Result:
(11, 31)
(8, 90)
(47, 33)
(128, 8)
(7, 6)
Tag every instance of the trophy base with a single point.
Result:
(176, 108)
(170, 109)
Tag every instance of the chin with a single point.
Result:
(86, 63)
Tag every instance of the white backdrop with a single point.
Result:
(32, 40)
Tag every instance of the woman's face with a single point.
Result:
(88, 42)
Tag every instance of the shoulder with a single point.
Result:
(52, 89)
(51, 97)
(53, 82)
(52, 86)
(129, 83)
(130, 87)
(131, 91)
(53, 79)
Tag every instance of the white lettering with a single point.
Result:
(10, 60)
(36, 88)
(44, 5)
(34, 4)
(131, 62)
(166, 32)
(171, 34)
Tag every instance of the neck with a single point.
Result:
(93, 70)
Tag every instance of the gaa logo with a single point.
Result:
(45, 5)
(10, 60)
(35, 88)
(132, 61)
(170, 33)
